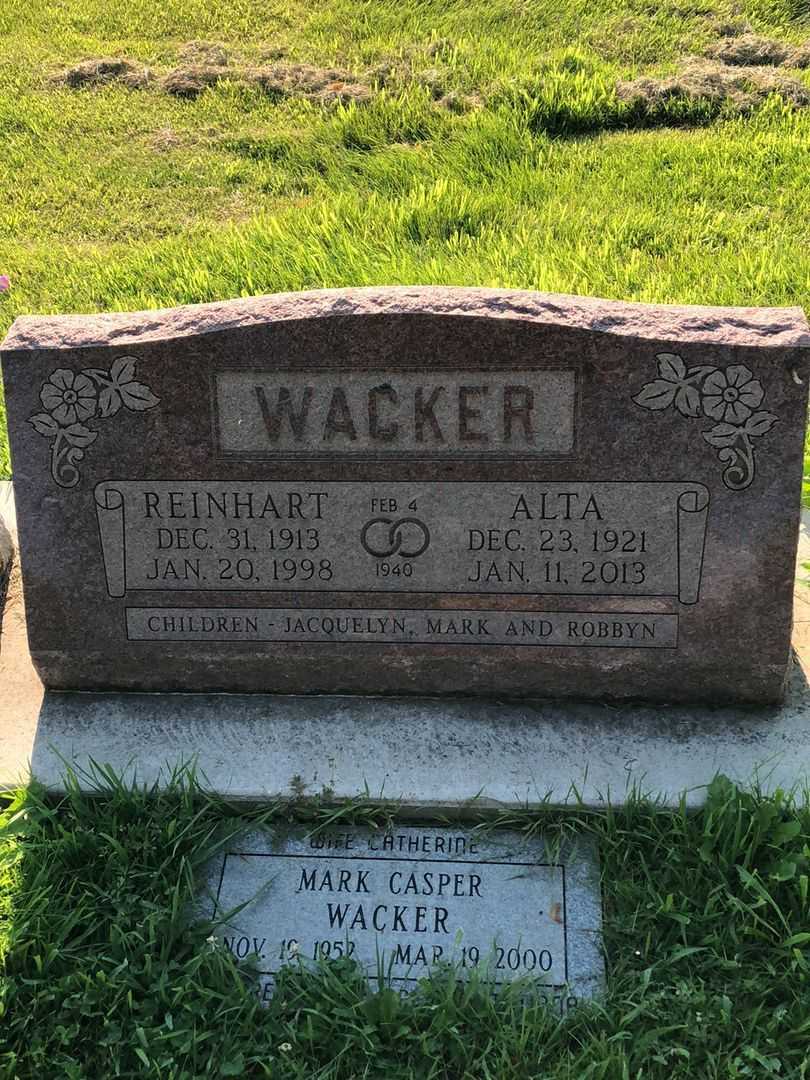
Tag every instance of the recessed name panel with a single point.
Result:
(395, 413)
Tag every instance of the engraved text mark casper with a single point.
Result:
(407, 537)
(72, 398)
(730, 396)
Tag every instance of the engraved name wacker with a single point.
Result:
(395, 412)
(610, 539)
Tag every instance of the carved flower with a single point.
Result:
(119, 388)
(68, 397)
(731, 395)
(674, 385)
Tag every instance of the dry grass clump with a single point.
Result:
(280, 80)
(307, 81)
(716, 83)
(461, 103)
(441, 47)
(273, 52)
(390, 74)
(165, 140)
(799, 57)
(189, 82)
(207, 53)
(345, 93)
(103, 71)
(730, 27)
(433, 79)
(748, 50)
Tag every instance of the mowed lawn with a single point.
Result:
(488, 145)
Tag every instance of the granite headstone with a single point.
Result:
(411, 490)
(407, 901)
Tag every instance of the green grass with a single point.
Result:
(707, 937)
(126, 199)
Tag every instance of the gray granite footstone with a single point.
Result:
(407, 900)
(411, 491)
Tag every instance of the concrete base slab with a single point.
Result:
(429, 756)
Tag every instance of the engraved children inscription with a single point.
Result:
(405, 627)
(415, 899)
(609, 539)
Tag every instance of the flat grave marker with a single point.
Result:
(412, 491)
(407, 901)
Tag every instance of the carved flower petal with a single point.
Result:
(687, 401)
(671, 367)
(123, 370)
(137, 396)
(85, 408)
(715, 383)
(109, 401)
(65, 414)
(752, 394)
(50, 396)
(62, 378)
(714, 407)
(656, 395)
(83, 386)
(736, 412)
(738, 375)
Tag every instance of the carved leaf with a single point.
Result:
(759, 423)
(137, 396)
(671, 367)
(123, 370)
(79, 435)
(44, 424)
(656, 395)
(687, 401)
(109, 401)
(722, 435)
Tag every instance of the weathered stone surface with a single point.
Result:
(411, 900)
(441, 491)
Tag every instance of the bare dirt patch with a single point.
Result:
(742, 87)
(103, 71)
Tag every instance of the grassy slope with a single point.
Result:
(706, 936)
(120, 199)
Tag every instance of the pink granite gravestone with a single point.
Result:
(411, 490)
